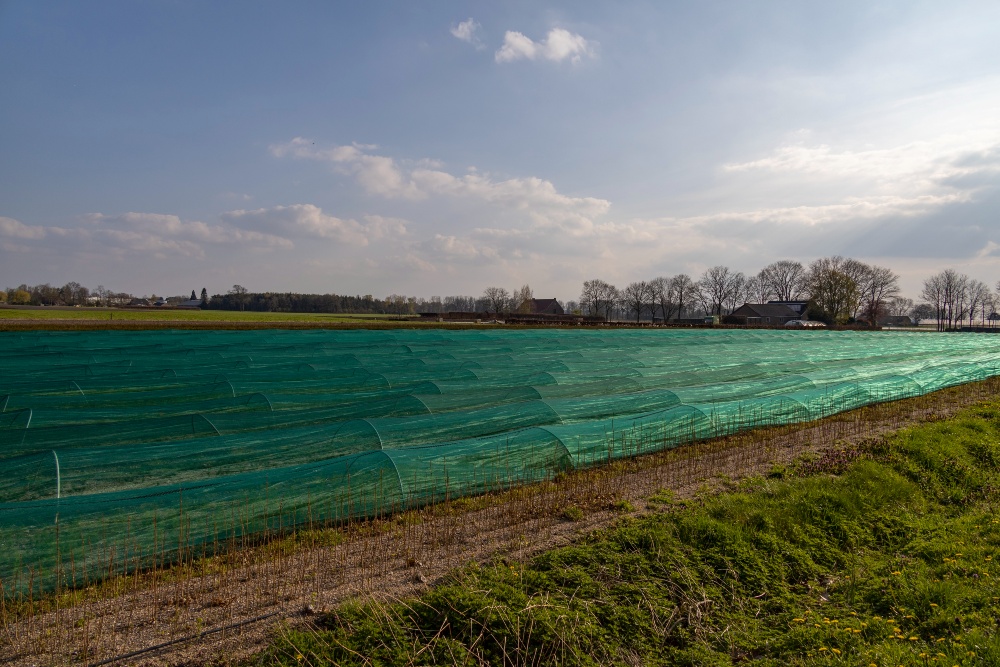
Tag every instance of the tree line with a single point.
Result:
(239, 298)
(952, 298)
(837, 290)
(70, 294)
(75, 294)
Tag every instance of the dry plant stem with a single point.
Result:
(222, 609)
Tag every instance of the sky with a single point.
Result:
(439, 148)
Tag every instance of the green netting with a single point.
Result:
(116, 447)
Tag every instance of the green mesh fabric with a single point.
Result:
(117, 447)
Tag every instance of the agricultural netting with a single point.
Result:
(118, 448)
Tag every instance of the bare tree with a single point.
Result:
(521, 299)
(661, 296)
(978, 294)
(497, 299)
(948, 292)
(718, 285)
(758, 288)
(990, 306)
(683, 291)
(786, 279)
(739, 292)
(637, 297)
(599, 297)
(102, 293)
(878, 286)
(933, 292)
(900, 306)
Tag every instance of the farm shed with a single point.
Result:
(762, 313)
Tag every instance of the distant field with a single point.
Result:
(26, 315)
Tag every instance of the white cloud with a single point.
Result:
(307, 220)
(854, 208)
(468, 31)
(380, 227)
(156, 227)
(381, 175)
(918, 167)
(460, 248)
(558, 45)
(18, 230)
(140, 234)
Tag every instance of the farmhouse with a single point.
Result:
(545, 307)
(763, 314)
(798, 306)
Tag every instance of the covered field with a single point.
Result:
(119, 448)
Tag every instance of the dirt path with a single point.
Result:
(221, 615)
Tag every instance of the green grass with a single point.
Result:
(160, 315)
(885, 554)
(76, 319)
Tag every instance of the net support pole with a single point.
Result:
(58, 479)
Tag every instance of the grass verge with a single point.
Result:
(881, 554)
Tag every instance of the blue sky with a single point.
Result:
(439, 148)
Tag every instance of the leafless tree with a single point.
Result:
(991, 307)
(497, 299)
(599, 297)
(521, 301)
(900, 306)
(978, 294)
(758, 288)
(786, 279)
(948, 291)
(637, 297)
(739, 292)
(934, 293)
(877, 285)
(718, 285)
(662, 297)
(683, 291)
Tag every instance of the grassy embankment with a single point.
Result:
(883, 554)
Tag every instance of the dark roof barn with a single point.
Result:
(765, 313)
(546, 307)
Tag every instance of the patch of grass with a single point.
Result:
(624, 506)
(883, 554)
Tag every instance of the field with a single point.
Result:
(224, 609)
(133, 452)
(52, 317)
(883, 553)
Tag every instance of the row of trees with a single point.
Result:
(70, 294)
(493, 300)
(75, 294)
(839, 290)
(953, 297)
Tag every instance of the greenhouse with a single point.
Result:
(117, 446)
